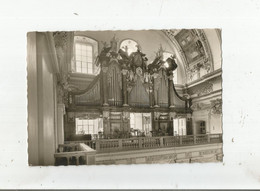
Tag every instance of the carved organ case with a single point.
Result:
(127, 83)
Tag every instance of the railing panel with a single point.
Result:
(103, 145)
(108, 145)
(200, 139)
(74, 154)
(151, 142)
(171, 141)
(187, 140)
(215, 138)
(130, 143)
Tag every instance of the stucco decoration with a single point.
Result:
(62, 42)
(194, 49)
(216, 106)
(202, 89)
(208, 88)
(200, 106)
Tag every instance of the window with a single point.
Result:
(85, 52)
(140, 122)
(129, 46)
(165, 56)
(89, 126)
(84, 58)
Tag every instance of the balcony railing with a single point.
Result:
(74, 154)
(108, 145)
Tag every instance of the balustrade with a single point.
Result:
(107, 145)
(74, 154)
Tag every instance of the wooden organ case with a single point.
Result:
(127, 84)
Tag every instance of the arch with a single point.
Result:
(181, 59)
(214, 40)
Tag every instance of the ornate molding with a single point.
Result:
(126, 115)
(202, 46)
(60, 38)
(172, 32)
(202, 89)
(62, 43)
(216, 106)
(208, 60)
(200, 106)
(206, 89)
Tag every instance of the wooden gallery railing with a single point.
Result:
(75, 154)
(108, 145)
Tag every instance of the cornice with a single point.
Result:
(211, 95)
(205, 78)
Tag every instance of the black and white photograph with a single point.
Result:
(124, 97)
(129, 94)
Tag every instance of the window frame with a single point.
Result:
(86, 126)
(95, 49)
(120, 44)
(75, 59)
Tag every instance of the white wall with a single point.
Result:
(215, 123)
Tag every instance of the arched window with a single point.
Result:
(85, 52)
(129, 46)
(165, 56)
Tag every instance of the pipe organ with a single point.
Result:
(128, 84)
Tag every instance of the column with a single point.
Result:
(60, 122)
